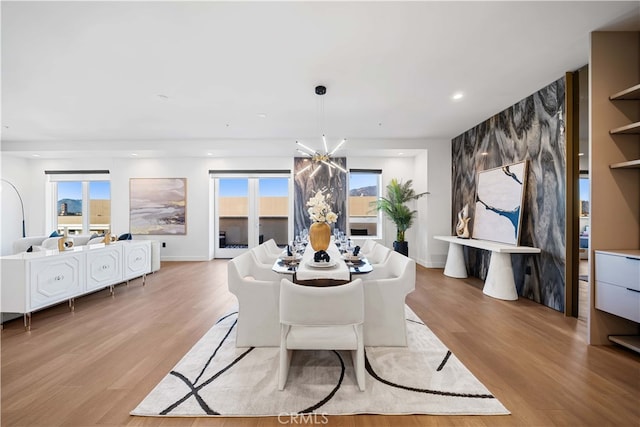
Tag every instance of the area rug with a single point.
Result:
(217, 379)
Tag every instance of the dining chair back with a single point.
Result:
(258, 292)
(263, 256)
(321, 318)
(272, 248)
(385, 302)
(379, 254)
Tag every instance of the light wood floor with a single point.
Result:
(91, 367)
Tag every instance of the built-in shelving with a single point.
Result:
(633, 128)
(631, 164)
(631, 342)
(614, 166)
(630, 93)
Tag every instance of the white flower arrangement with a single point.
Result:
(320, 210)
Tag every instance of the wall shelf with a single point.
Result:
(632, 342)
(631, 164)
(626, 94)
(633, 128)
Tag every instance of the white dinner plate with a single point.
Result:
(290, 258)
(321, 264)
(352, 258)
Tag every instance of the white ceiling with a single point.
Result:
(187, 78)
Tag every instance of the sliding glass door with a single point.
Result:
(248, 211)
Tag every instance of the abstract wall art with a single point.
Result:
(158, 206)
(499, 197)
(308, 181)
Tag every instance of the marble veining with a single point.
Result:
(306, 186)
(533, 130)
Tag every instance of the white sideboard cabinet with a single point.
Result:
(618, 288)
(104, 267)
(36, 280)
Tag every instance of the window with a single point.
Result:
(364, 190)
(82, 201)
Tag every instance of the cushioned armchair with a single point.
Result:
(258, 293)
(272, 248)
(367, 246)
(321, 318)
(263, 256)
(385, 300)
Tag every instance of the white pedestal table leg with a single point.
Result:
(499, 282)
(455, 266)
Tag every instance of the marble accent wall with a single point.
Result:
(532, 129)
(306, 186)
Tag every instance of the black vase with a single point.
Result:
(401, 247)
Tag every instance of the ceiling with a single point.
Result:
(237, 78)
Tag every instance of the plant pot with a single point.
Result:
(401, 247)
(319, 236)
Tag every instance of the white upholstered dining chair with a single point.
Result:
(272, 248)
(258, 291)
(263, 255)
(367, 246)
(321, 318)
(385, 302)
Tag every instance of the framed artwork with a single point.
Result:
(499, 199)
(158, 206)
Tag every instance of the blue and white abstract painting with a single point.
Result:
(498, 208)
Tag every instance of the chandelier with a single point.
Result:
(319, 158)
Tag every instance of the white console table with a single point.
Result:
(499, 282)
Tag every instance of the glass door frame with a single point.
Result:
(253, 215)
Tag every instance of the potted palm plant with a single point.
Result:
(395, 208)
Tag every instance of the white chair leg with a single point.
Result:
(358, 366)
(283, 373)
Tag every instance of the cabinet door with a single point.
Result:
(54, 279)
(137, 259)
(104, 267)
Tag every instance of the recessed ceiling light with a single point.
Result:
(400, 153)
(209, 154)
(456, 96)
(134, 154)
(35, 155)
(262, 115)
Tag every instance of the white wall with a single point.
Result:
(16, 171)
(432, 167)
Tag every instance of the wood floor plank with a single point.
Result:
(92, 366)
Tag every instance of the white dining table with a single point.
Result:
(335, 269)
(303, 268)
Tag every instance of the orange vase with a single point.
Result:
(319, 236)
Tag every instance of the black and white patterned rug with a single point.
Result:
(217, 379)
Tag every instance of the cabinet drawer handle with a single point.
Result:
(633, 290)
(632, 258)
(138, 259)
(60, 277)
(105, 267)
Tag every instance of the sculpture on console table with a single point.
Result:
(462, 227)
